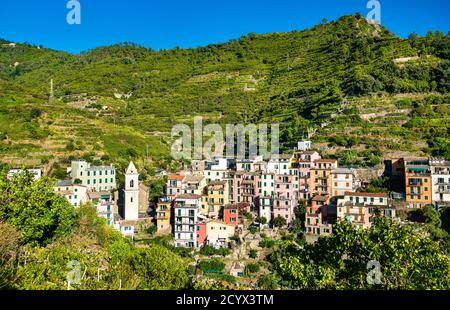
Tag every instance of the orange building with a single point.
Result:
(320, 181)
(316, 218)
(231, 214)
(418, 182)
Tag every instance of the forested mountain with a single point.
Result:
(120, 98)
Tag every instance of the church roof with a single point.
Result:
(131, 168)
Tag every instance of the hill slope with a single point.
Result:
(346, 76)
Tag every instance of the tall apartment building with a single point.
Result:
(163, 215)
(418, 182)
(186, 211)
(320, 180)
(285, 198)
(440, 179)
(98, 178)
(304, 161)
(266, 193)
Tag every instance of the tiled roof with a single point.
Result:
(366, 194)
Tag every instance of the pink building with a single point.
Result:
(303, 161)
(174, 186)
(317, 216)
(201, 234)
(285, 198)
(245, 188)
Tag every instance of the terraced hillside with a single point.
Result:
(360, 92)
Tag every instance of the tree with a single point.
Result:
(262, 220)
(279, 221)
(407, 257)
(34, 209)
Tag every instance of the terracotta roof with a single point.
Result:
(325, 160)
(320, 198)
(188, 196)
(176, 177)
(366, 194)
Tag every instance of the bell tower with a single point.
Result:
(131, 197)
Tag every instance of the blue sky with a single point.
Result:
(190, 23)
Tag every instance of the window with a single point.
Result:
(131, 198)
(132, 183)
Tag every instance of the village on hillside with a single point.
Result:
(216, 202)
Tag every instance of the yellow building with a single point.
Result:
(320, 180)
(217, 196)
(163, 209)
(418, 182)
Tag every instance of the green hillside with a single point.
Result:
(388, 95)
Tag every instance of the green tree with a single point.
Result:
(33, 208)
(408, 259)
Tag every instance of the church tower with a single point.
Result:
(131, 199)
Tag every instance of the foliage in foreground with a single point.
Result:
(409, 259)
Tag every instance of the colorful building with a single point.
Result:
(360, 208)
(231, 215)
(217, 197)
(174, 185)
(440, 179)
(320, 180)
(186, 212)
(418, 182)
(104, 203)
(163, 215)
(285, 199)
(97, 178)
(342, 180)
(316, 218)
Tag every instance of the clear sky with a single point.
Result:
(190, 23)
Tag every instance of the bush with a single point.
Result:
(208, 250)
(253, 253)
(151, 230)
(252, 268)
(267, 243)
(214, 265)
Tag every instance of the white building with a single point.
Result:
(218, 233)
(99, 178)
(440, 178)
(303, 145)
(280, 164)
(342, 180)
(37, 173)
(131, 193)
(74, 193)
(186, 210)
